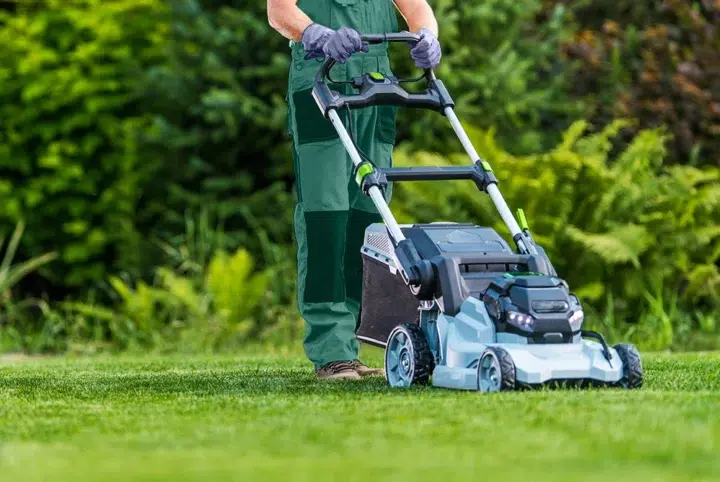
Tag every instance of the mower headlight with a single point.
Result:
(521, 320)
(576, 320)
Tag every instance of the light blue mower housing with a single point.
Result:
(499, 325)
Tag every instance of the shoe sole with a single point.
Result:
(372, 374)
(341, 376)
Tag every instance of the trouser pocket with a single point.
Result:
(310, 124)
(386, 129)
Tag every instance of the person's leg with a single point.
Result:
(321, 217)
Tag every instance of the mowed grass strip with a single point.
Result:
(259, 417)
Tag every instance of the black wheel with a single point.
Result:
(408, 359)
(495, 371)
(632, 366)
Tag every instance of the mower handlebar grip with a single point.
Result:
(375, 39)
(433, 98)
(379, 38)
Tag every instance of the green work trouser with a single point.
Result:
(332, 213)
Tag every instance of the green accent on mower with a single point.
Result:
(363, 171)
(522, 219)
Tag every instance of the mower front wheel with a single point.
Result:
(408, 359)
(632, 366)
(495, 371)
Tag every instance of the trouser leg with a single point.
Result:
(330, 219)
(321, 222)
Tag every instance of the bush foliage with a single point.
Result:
(70, 112)
(659, 62)
(141, 139)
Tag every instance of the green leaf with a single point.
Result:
(621, 245)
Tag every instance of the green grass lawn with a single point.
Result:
(263, 417)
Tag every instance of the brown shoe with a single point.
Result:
(338, 370)
(364, 371)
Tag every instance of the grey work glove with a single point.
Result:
(343, 43)
(426, 53)
(339, 44)
(314, 38)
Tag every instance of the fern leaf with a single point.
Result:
(621, 245)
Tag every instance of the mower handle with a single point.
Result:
(378, 38)
(376, 89)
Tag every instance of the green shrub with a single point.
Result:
(218, 100)
(657, 61)
(69, 111)
(212, 310)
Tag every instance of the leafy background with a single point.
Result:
(146, 188)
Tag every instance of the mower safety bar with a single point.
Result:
(480, 173)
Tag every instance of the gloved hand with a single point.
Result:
(343, 43)
(314, 39)
(427, 52)
(338, 45)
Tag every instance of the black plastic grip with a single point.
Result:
(379, 38)
(382, 91)
(324, 70)
(374, 39)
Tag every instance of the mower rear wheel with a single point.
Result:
(408, 359)
(495, 371)
(632, 366)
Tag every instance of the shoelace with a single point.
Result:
(338, 366)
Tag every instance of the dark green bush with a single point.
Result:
(70, 111)
(219, 104)
(120, 118)
(656, 61)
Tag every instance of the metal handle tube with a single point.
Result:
(462, 135)
(374, 192)
(492, 189)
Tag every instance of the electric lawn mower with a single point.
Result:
(454, 303)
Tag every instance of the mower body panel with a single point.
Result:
(464, 337)
(387, 301)
(487, 274)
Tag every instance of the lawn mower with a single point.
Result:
(453, 304)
